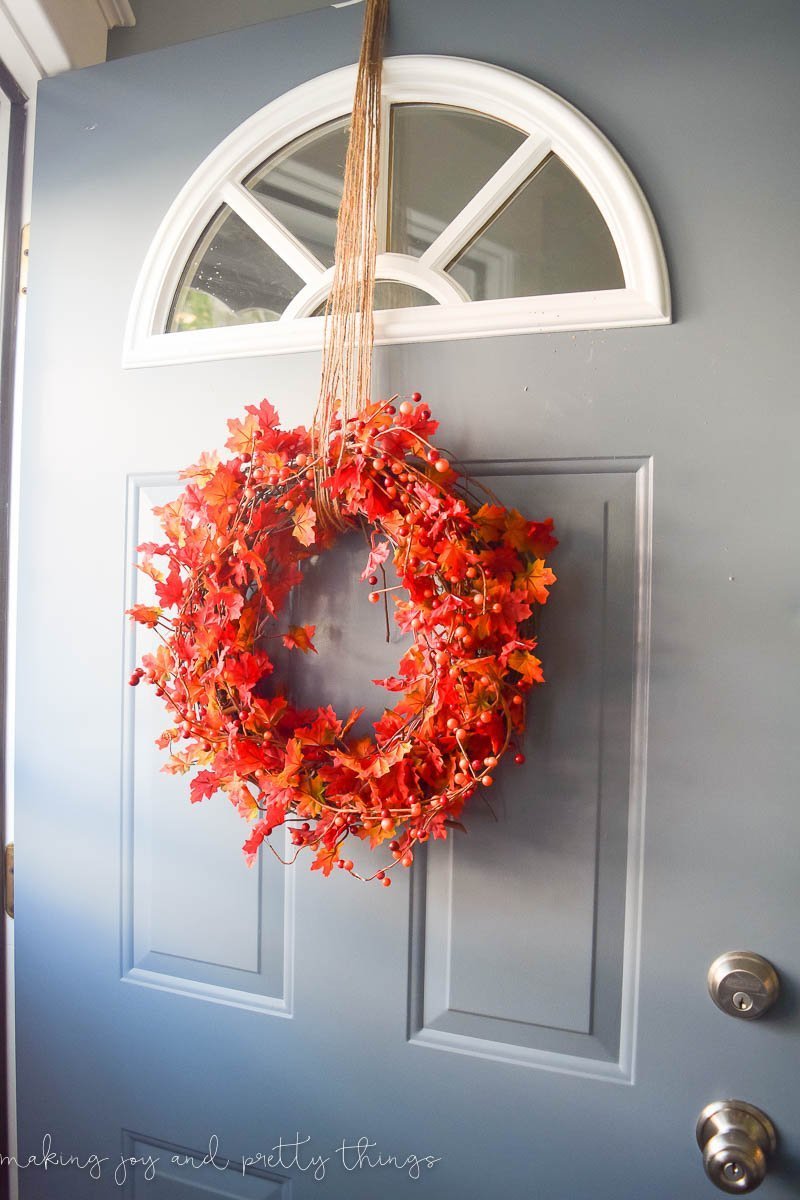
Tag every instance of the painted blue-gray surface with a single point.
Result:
(701, 101)
(159, 24)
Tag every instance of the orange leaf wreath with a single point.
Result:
(235, 542)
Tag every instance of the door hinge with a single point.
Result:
(24, 259)
(8, 880)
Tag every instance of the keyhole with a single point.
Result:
(732, 1171)
(742, 1001)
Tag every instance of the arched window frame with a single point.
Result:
(551, 123)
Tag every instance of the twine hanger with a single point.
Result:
(349, 328)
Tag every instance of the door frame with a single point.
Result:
(10, 260)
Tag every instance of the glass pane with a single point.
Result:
(400, 295)
(389, 294)
(302, 186)
(440, 158)
(549, 238)
(232, 278)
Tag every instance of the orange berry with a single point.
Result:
(487, 781)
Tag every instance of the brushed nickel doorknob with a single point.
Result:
(737, 1140)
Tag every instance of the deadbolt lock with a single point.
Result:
(737, 1140)
(743, 984)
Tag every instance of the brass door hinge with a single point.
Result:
(25, 246)
(8, 880)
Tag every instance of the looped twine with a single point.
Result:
(349, 328)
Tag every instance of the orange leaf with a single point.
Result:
(223, 488)
(243, 434)
(326, 859)
(516, 533)
(299, 638)
(146, 615)
(537, 578)
(491, 522)
(528, 665)
(204, 468)
(304, 520)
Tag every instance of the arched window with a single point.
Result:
(502, 210)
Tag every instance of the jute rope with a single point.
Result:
(349, 324)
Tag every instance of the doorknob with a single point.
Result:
(736, 1139)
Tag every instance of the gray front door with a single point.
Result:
(528, 1007)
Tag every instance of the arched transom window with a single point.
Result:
(502, 210)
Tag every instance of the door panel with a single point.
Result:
(529, 1005)
(193, 921)
(534, 970)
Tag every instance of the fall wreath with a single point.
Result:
(470, 574)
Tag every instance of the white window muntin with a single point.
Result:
(552, 125)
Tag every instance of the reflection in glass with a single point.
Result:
(302, 186)
(440, 157)
(389, 294)
(548, 239)
(232, 278)
(400, 295)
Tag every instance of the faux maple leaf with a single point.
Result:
(267, 415)
(170, 592)
(222, 490)
(304, 520)
(299, 638)
(377, 555)
(204, 468)
(260, 830)
(537, 578)
(204, 785)
(528, 666)
(491, 522)
(243, 434)
(326, 859)
(146, 614)
(540, 537)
